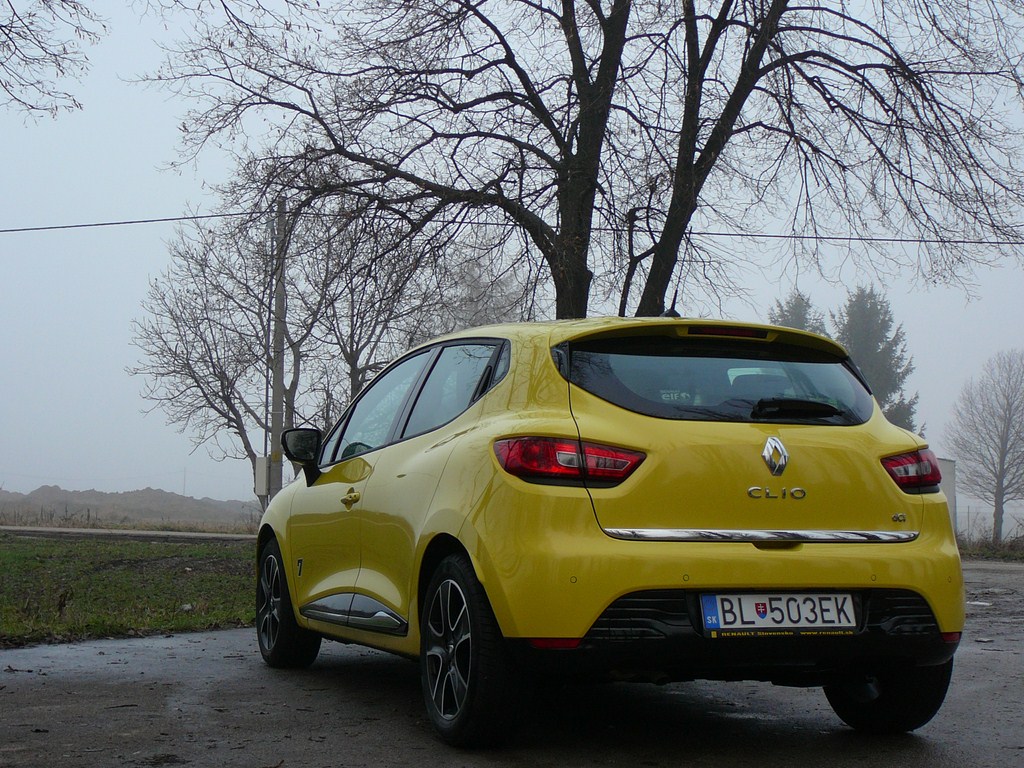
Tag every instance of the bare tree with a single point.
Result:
(586, 126)
(205, 342)
(205, 336)
(372, 294)
(478, 280)
(41, 44)
(987, 435)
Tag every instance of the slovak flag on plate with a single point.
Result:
(762, 609)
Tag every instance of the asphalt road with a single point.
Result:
(208, 700)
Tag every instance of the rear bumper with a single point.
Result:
(550, 571)
(657, 636)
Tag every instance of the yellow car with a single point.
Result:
(635, 499)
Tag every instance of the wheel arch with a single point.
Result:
(440, 547)
(266, 533)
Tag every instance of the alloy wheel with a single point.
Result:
(449, 650)
(268, 609)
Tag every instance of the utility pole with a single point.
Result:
(275, 480)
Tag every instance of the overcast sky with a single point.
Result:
(71, 416)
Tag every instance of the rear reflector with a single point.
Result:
(553, 459)
(951, 637)
(914, 471)
(555, 643)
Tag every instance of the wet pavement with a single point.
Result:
(208, 700)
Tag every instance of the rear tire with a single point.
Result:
(283, 643)
(892, 701)
(470, 685)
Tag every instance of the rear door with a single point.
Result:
(398, 497)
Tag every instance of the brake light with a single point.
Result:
(554, 459)
(914, 471)
(727, 330)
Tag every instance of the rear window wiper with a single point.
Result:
(776, 407)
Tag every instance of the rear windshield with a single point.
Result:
(719, 381)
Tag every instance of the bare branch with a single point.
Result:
(41, 44)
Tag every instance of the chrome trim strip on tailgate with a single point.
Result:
(759, 536)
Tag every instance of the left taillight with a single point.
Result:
(549, 459)
(914, 472)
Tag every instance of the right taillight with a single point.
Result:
(914, 472)
(549, 459)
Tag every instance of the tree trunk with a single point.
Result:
(581, 168)
(663, 264)
(694, 163)
(997, 518)
(572, 279)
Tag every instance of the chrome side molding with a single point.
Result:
(348, 609)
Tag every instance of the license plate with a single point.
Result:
(756, 615)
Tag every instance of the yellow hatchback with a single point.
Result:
(630, 499)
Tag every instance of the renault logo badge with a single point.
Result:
(775, 456)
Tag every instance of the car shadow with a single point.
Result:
(617, 723)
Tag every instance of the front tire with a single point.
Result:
(283, 643)
(470, 686)
(892, 701)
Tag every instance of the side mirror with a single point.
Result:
(302, 446)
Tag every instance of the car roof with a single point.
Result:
(558, 331)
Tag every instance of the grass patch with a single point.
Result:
(1009, 550)
(59, 590)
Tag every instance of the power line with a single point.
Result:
(860, 239)
(737, 235)
(125, 223)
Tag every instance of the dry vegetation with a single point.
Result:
(149, 509)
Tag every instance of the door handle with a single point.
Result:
(350, 498)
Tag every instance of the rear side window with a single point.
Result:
(720, 381)
(453, 384)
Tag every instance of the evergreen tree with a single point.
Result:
(797, 312)
(865, 326)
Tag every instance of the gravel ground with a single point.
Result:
(207, 699)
